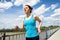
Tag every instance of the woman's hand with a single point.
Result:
(39, 31)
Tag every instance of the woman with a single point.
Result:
(29, 23)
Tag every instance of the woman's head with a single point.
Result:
(28, 9)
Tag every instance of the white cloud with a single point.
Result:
(24, 2)
(51, 21)
(1, 10)
(19, 20)
(31, 2)
(41, 10)
(21, 17)
(53, 6)
(57, 10)
(6, 5)
(18, 2)
(9, 23)
(1, 26)
(54, 19)
(41, 16)
(6, 20)
(56, 15)
(11, 20)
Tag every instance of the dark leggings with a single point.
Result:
(33, 38)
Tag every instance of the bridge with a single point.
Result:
(44, 35)
(55, 36)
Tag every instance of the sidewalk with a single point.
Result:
(55, 36)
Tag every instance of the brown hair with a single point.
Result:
(29, 8)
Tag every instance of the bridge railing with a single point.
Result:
(21, 36)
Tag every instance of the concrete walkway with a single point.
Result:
(55, 36)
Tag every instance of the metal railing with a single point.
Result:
(43, 36)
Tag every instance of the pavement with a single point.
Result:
(55, 36)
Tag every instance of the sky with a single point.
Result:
(12, 12)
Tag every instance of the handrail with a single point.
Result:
(3, 37)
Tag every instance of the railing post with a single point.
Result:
(4, 36)
(46, 35)
(9, 37)
(0, 38)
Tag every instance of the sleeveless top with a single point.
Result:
(30, 26)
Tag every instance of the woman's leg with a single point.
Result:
(28, 38)
(35, 38)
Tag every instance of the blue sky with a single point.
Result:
(12, 12)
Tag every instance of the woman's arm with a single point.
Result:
(22, 25)
(40, 23)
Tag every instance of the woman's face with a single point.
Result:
(26, 9)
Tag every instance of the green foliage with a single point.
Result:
(23, 30)
(49, 27)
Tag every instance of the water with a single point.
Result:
(43, 35)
